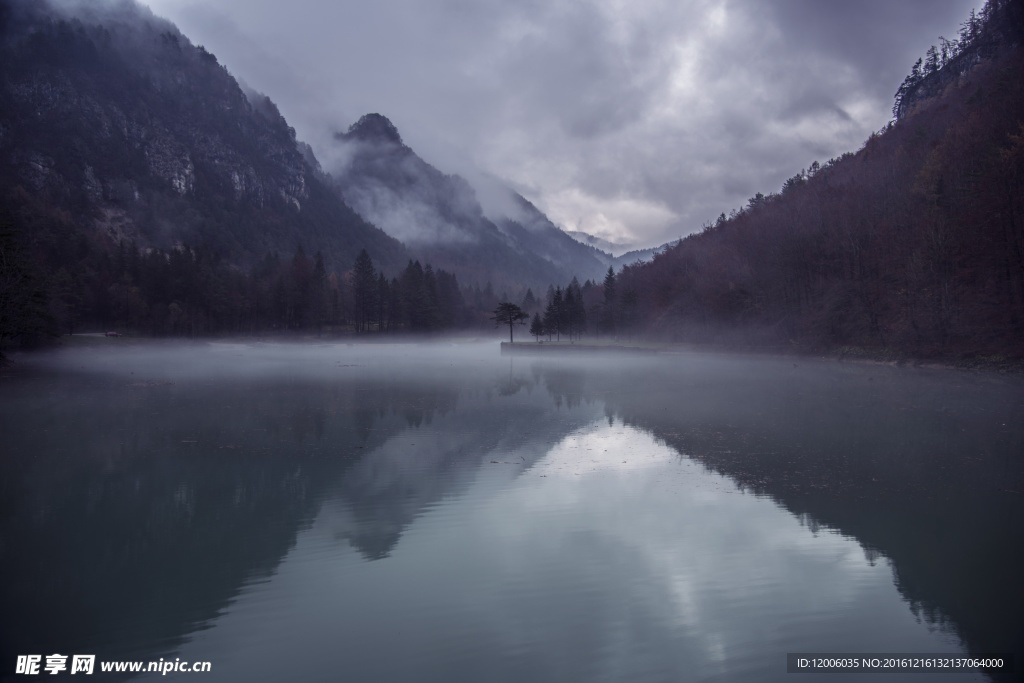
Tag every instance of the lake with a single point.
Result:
(439, 512)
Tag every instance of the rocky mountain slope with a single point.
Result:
(111, 118)
(441, 218)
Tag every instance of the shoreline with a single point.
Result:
(989, 364)
(534, 347)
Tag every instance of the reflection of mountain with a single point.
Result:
(915, 466)
(426, 462)
(121, 529)
(133, 512)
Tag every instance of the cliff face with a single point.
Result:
(113, 115)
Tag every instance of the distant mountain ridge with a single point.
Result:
(598, 242)
(440, 217)
(638, 256)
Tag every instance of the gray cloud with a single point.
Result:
(632, 120)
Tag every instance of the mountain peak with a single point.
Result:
(373, 128)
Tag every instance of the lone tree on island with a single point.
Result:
(509, 314)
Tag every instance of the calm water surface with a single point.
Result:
(441, 513)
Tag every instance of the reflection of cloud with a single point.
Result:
(584, 567)
(600, 448)
(693, 538)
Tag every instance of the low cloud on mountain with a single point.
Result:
(631, 121)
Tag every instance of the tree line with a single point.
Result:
(55, 281)
(568, 313)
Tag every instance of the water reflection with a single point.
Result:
(921, 467)
(561, 575)
(449, 513)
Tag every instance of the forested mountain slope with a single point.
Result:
(913, 244)
(115, 118)
(137, 178)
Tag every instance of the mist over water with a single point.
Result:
(435, 511)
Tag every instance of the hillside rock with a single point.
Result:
(107, 108)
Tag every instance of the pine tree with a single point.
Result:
(970, 30)
(431, 304)
(529, 301)
(554, 315)
(395, 302)
(610, 303)
(931, 61)
(947, 49)
(364, 290)
(382, 301)
(575, 313)
(537, 326)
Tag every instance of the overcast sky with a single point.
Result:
(634, 120)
